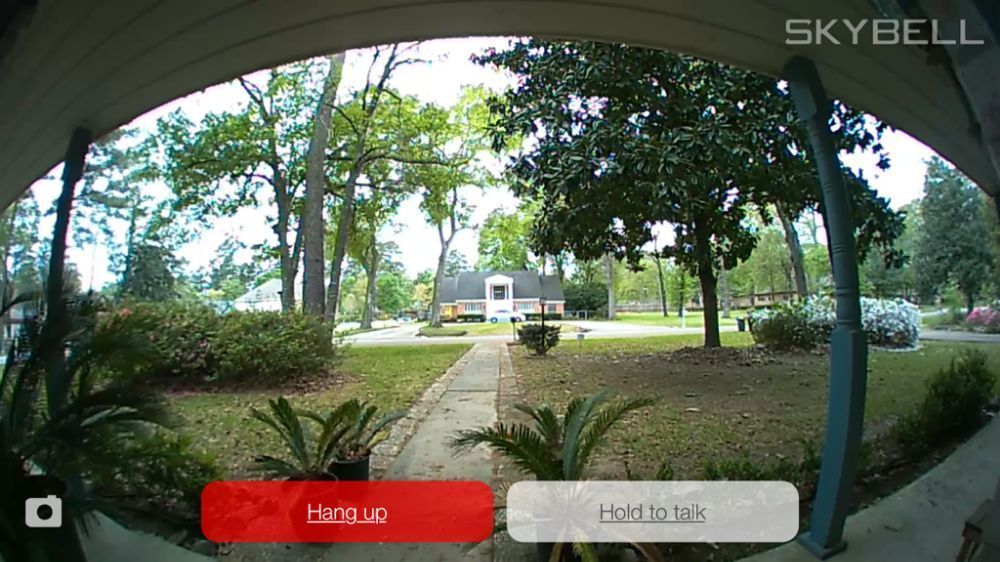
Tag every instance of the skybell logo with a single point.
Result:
(881, 32)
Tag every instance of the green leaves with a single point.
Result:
(553, 447)
(955, 245)
(348, 432)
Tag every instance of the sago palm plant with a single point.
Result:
(555, 447)
(348, 432)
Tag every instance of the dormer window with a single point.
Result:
(499, 292)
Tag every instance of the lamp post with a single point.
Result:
(541, 302)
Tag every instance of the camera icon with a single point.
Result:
(43, 513)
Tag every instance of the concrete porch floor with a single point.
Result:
(924, 520)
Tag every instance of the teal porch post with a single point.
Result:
(848, 346)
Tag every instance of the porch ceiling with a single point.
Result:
(101, 63)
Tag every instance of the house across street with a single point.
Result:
(493, 295)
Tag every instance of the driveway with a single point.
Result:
(400, 332)
(950, 335)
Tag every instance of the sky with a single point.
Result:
(438, 80)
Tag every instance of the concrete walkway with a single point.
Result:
(470, 401)
(924, 520)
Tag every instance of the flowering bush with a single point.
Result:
(894, 323)
(984, 318)
(796, 325)
(810, 323)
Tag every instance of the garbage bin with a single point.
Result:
(741, 324)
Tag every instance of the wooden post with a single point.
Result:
(848, 345)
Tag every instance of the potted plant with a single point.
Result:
(309, 457)
(338, 449)
(557, 447)
(354, 450)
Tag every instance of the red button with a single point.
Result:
(388, 511)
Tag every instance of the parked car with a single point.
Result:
(505, 316)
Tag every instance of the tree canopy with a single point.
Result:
(956, 243)
(624, 138)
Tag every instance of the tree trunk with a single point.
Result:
(314, 225)
(372, 274)
(5, 291)
(130, 246)
(710, 302)
(609, 276)
(726, 295)
(663, 286)
(970, 303)
(794, 252)
(285, 264)
(57, 383)
(560, 262)
(344, 224)
(706, 275)
(439, 279)
(682, 293)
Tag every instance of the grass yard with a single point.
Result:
(391, 377)
(692, 318)
(746, 401)
(505, 328)
(443, 332)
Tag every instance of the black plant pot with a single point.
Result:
(545, 552)
(352, 471)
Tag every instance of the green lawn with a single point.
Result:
(692, 318)
(505, 328)
(747, 402)
(391, 377)
(444, 331)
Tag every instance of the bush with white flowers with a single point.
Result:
(894, 323)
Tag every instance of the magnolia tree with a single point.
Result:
(622, 138)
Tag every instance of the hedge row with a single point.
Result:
(190, 340)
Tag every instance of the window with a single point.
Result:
(525, 307)
(499, 292)
(473, 307)
(552, 308)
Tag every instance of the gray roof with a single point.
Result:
(471, 285)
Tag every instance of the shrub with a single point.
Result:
(786, 326)
(984, 318)
(894, 323)
(739, 469)
(193, 341)
(585, 296)
(158, 474)
(953, 405)
(180, 334)
(538, 339)
(272, 345)
(471, 318)
(538, 316)
(810, 323)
